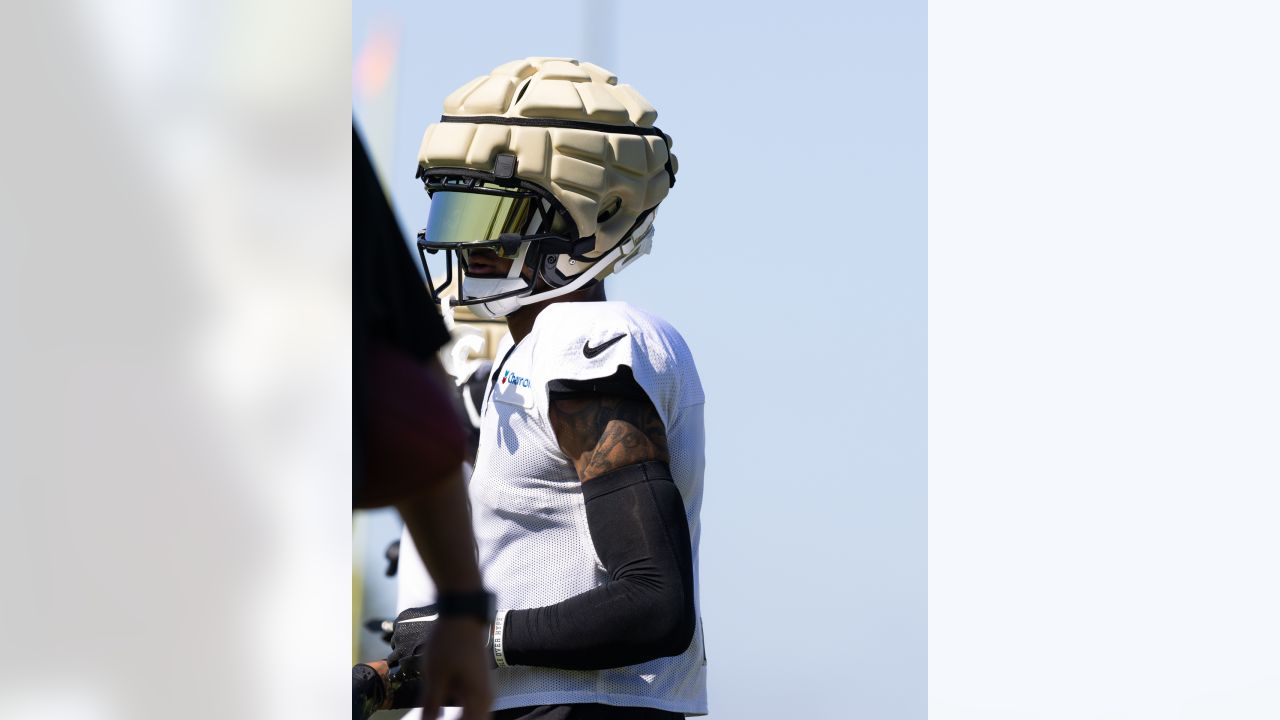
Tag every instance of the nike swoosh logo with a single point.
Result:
(591, 352)
(424, 618)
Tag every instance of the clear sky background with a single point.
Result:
(792, 256)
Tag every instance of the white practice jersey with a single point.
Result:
(530, 519)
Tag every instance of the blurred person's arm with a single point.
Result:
(452, 663)
(413, 459)
(456, 655)
(439, 516)
(410, 438)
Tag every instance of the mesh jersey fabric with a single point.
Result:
(527, 505)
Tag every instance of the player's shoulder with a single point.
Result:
(591, 340)
(591, 321)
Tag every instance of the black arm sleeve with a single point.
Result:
(645, 610)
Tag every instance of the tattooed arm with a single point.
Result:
(601, 433)
(636, 517)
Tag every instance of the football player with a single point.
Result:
(544, 178)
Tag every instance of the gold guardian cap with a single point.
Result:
(551, 163)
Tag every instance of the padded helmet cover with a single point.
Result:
(604, 180)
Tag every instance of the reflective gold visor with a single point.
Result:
(464, 218)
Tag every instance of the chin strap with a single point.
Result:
(635, 249)
(622, 254)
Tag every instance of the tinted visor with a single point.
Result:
(466, 218)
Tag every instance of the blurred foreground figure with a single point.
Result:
(544, 178)
(409, 444)
(414, 587)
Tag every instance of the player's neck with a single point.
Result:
(520, 322)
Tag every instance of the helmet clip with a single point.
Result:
(504, 166)
(582, 245)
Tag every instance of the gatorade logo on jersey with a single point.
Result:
(514, 389)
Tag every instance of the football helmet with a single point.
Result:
(548, 163)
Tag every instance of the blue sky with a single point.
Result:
(792, 256)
